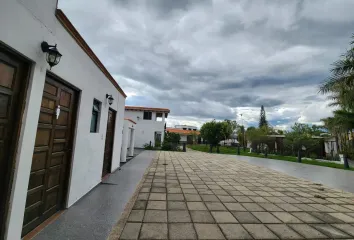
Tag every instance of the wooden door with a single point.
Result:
(108, 148)
(13, 78)
(52, 152)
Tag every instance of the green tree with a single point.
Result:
(340, 87)
(259, 138)
(300, 138)
(213, 133)
(171, 141)
(262, 118)
(228, 127)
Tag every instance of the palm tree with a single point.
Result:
(340, 86)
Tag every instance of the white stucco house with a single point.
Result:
(128, 142)
(188, 134)
(186, 127)
(60, 127)
(150, 124)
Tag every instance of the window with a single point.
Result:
(95, 116)
(147, 115)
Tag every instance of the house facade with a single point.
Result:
(150, 124)
(186, 127)
(188, 134)
(60, 128)
(128, 142)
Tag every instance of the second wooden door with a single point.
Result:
(108, 149)
(52, 152)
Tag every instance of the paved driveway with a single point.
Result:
(204, 196)
(332, 177)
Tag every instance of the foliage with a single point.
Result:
(301, 138)
(262, 118)
(157, 143)
(213, 132)
(228, 127)
(172, 137)
(340, 87)
(171, 141)
(250, 128)
(233, 150)
(259, 138)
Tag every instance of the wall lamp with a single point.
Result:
(53, 55)
(109, 99)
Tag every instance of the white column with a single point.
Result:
(163, 128)
(123, 153)
(132, 142)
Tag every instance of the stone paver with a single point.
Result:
(131, 231)
(286, 217)
(234, 231)
(208, 231)
(259, 231)
(178, 216)
(224, 217)
(283, 231)
(153, 231)
(202, 217)
(155, 216)
(307, 231)
(208, 196)
(245, 217)
(331, 231)
(181, 231)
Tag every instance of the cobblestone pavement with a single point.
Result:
(197, 195)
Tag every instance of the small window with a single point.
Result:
(147, 115)
(96, 109)
(184, 128)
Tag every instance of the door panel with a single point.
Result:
(51, 156)
(13, 78)
(108, 149)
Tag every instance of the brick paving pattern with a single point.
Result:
(204, 196)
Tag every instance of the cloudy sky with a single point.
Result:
(207, 59)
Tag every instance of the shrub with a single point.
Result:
(313, 155)
(157, 144)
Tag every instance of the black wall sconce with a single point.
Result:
(53, 55)
(109, 99)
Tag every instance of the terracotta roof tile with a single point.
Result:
(181, 131)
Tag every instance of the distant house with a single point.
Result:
(186, 127)
(189, 134)
(150, 124)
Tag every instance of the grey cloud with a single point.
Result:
(254, 101)
(207, 59)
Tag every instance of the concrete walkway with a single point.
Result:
(336, 178)
(197, 195)
(93, 216)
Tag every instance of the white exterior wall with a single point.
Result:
(25, 24)
(183, 138)
(127, 130)
(330, 143)
(145, 129)
(186, 126)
